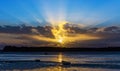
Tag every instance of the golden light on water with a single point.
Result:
(60, 57)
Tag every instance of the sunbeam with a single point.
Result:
(50, 17)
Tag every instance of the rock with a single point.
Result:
(65, 63)
(37, 60)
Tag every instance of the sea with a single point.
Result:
(59, 61)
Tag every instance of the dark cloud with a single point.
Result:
(23, 36)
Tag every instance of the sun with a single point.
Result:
(60, 40)
(59, 32)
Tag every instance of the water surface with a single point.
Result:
(80, 61)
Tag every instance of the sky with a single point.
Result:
(86, 12)
(103, 14)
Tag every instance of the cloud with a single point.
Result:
(11, 39)
(23, 40)
(109, 36)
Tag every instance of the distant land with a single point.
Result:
(56, 49)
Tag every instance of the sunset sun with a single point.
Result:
(60, 40)
(59, 32)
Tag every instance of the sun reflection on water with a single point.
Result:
(60, 57)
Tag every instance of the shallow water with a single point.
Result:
(80, 61)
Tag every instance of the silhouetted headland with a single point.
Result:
(56, 49)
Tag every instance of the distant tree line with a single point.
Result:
(57, 49)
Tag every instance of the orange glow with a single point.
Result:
(59, 32)
(60, 57)
(62, 37)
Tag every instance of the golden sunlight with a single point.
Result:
(60, 56)
(62, 37)
(59, 32)
(60, 40)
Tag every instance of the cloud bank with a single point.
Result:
(41, 36)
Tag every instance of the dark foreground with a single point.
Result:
(51, 61)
